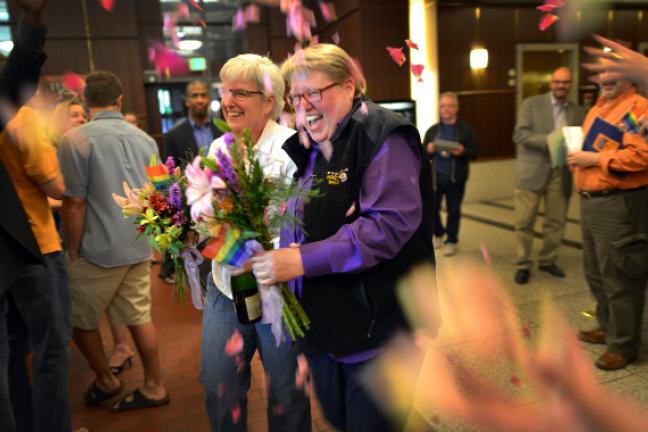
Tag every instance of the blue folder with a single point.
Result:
(603, 136)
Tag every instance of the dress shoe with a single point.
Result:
(612, 361)
(522, 276)
(596, 336)
(553, 270)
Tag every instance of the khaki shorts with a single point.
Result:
(123, 292)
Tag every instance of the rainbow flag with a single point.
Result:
(631, 120)
(158, 174)
(227, 247)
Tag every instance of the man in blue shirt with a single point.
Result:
(450, 169)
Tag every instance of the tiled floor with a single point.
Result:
(484, 223)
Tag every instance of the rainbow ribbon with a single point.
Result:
(630, 120)
(158, 174)
(228, 247)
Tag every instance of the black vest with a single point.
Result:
(356, 312)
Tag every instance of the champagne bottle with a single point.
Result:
(247, 299)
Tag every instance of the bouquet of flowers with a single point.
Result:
(161, 215)
(243, 210)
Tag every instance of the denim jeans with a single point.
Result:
(345, 404)
(35, 316)
(226, 386)
(454, 193)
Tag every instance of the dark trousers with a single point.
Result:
(344, 401)
(454, 193)
(35, 316)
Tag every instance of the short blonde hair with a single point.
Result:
(255, 68)
(329, 59)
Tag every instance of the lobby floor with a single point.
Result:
(487, 223)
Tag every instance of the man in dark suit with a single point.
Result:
(186, 139)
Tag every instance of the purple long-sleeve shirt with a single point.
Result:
(390, 213)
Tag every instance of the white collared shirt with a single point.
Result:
(274, 161)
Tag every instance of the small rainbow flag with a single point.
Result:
(158, 174)
(227, 247)
(630, 120)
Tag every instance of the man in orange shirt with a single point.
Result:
(612, 181)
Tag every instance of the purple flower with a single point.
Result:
(175, 196)
(227, 172)
(170, 163)
(229, 139)
(179, 218)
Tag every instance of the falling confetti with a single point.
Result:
(73, 82)
(299, 21)
(336, 38)
(108, 5)
(303, 138)
(236, 413)
(363, 108)
(397, 55)
(411, 44)
(485, 254)
(278, 410)
(167, 61)
(417, 70)
(196, 6)
(328, 11)
(234, 344)
(526, 330)
(547, 20)
(267, 84)
(252, 14)
(351, 210)
(516, 381)
(238, 20)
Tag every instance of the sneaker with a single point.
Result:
(437, 242)
(450, 249)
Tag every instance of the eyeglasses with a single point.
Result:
(239, 95)
(560, 82)
(312, 95)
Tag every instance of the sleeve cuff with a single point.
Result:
(315, 259)
(29, 37)
(604, 160)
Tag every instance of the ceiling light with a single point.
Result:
(189, 44)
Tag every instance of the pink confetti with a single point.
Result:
(299, 21)
(196, 6)
(351, 210)
(336, 38)
(300, 117)
(282, 209)
(397, 55)
(234, 344)
(411, 44)
(328, 11)
(546, 7)
(485, 254)
(73, 82)
(168, 22)
(516, 381)
(278, 410)
(526, 330)
(303, 138)
(238, 20)
(547, 20)
(314, 41)
(252, 14)
(183, 10)
(363, 108)
(417, 70)
(236, 413)
(267, 84)
(167, 61)
(108, 5)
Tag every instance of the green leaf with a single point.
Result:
(222, 125)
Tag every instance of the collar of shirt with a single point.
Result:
(107, 114)
(195, 125)
(603, 101)
(556, 103)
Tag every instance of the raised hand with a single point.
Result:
(625, 63)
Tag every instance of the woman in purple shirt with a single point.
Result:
(369, 224)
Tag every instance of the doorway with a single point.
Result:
(536, 62)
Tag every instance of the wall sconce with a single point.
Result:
(479, 58)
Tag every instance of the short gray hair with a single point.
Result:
(257, 69)
(451, 95)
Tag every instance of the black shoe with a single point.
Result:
(522, 276)
(553, 270)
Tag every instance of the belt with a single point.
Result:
(609, 192)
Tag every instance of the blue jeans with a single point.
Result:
(35, 316)
(344, 402)
(454, 193)
(226, 387)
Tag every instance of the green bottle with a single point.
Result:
(247, 299)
